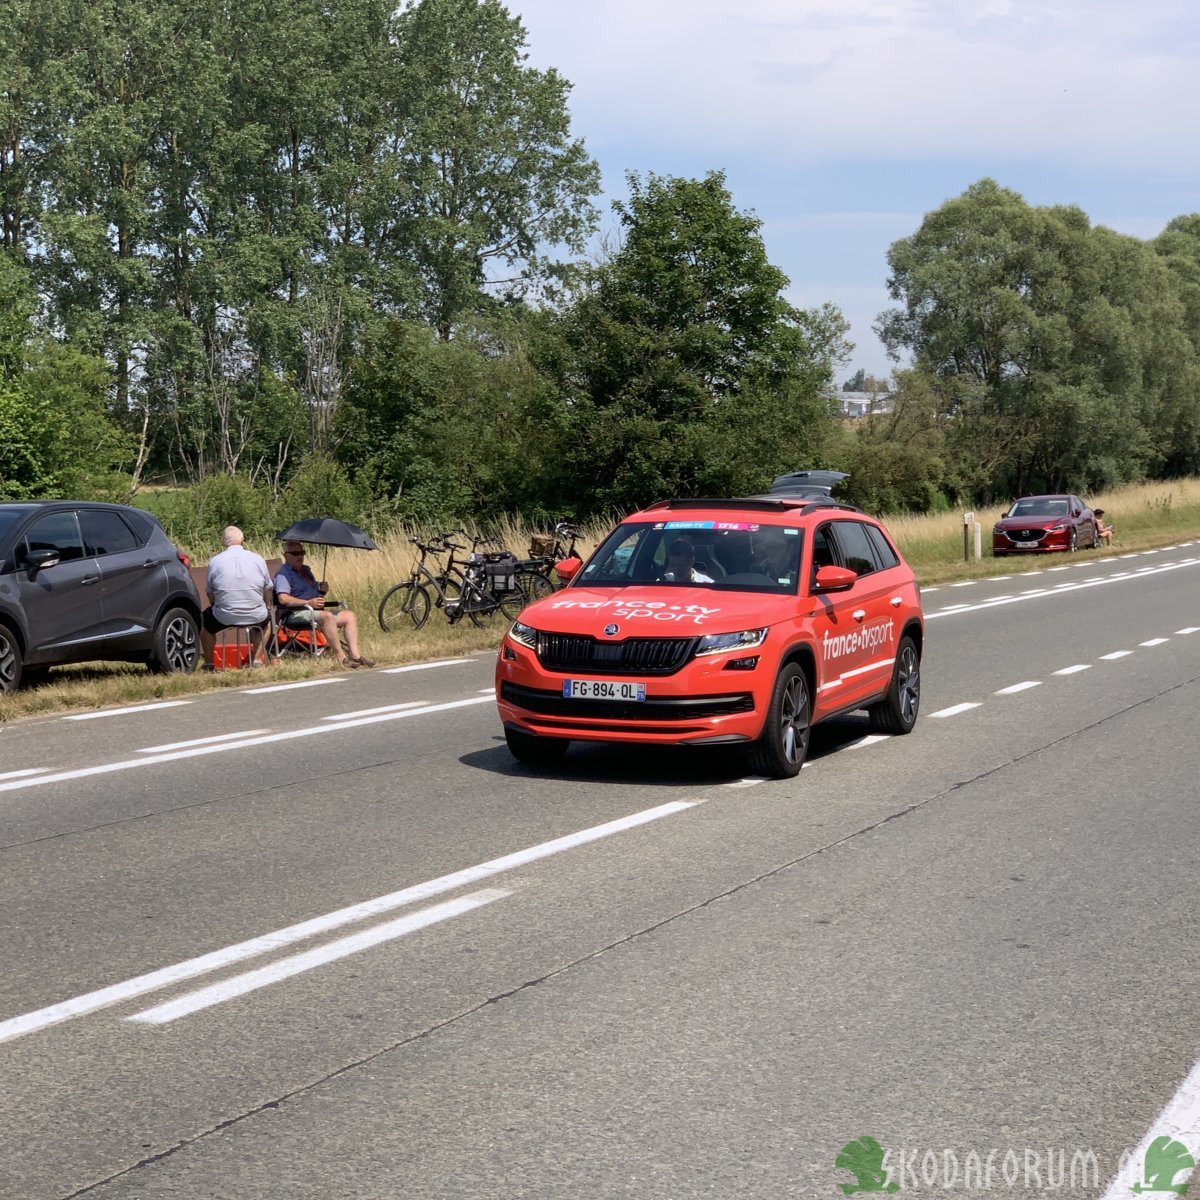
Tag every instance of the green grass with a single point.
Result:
(1144, 518)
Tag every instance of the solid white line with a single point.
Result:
(195, 751)
(204, 741)
(1116, 654)
(1018, 687)
(954, 710)
(1189, 629)
(441, 662)
(165, 976)
(120, 712)
(285, 968)
(1180, 1120)
(370, 712)
(1155, 642)
(287, 687)
(1075, 669)
(24, 774)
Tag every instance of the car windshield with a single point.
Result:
(725, 555)
(1038, 507)
(10, 514)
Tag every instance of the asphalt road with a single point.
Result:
(304, 943)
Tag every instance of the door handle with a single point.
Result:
(859, 613)
(149, 563)
(90, 579)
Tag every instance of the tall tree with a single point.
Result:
(691, 371)
(489, 176)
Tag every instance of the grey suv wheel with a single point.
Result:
(10, 660)
(176, 643)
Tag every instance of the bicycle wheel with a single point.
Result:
(511, 604)
(458, 603)
(405, 602)
(534, 584)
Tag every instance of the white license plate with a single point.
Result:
(1025, 545)
(602, 689)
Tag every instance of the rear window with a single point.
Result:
(726, 555)
(104, 532)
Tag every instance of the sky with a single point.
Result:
(840, 123)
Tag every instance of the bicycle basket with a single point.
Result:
(540, 547)
(501, 570)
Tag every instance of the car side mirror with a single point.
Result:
(568, 569)
(39, 560)
(834, 579)
(1075, 512)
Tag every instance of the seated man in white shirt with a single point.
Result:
(236, 587)
(681, 564)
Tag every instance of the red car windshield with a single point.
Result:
(1038, 508)
(726, 554)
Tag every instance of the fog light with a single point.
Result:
(742, 664)
(510, 655)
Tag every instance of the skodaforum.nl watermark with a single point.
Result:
(1163, 1168)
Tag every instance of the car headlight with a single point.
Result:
(525, 634)
(715, 643)
(998, 529)
(1059, 527)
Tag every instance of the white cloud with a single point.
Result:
(1091, 83)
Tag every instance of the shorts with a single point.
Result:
(213, 624)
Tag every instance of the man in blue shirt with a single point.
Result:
(296, 585)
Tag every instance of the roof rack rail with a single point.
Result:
(759, 503)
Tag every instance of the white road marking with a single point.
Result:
(1189, 629)
(931, 589)
(1180, 1119)
(250, 981)
(1155, 642)
(954, 710)
(287, 687)
(749, 781)
(115, 993)
(1018, 687)
(869, 740)
(488, 691)
(1062, 568)
(24, 774)
(1075, 669)
(441, 662)
(1151, 551)
(204, 741)
(997, 578)
(370, 712)
(120, 712)
(1133, 555)
(1095, 579)
(1116, 654)
(997, 601)
(965, 583)
(220, 747)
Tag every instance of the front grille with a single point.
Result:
(634, 656)
(1026, 535)
(663, 708)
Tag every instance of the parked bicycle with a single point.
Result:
(535, 575)
(479, 587)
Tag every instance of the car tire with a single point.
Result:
(10, 660)
(176, 646)
(897, 711)
(780, 750)
(535, 751)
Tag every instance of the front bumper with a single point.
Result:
(703, 702)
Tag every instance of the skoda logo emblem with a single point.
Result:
(611, 630)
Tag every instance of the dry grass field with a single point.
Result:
(1143, 517)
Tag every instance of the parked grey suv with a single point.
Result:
(81, 581)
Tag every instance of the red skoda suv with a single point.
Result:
(719, 622)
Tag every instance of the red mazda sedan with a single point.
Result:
(1039, 524)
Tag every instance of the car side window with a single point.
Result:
(885, 555)
(852, 541)
(105, 532)
(824, 554)
(56, 531)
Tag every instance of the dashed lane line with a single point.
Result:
(1024, 686)
(441, 662)
(955, 709)
(288, 687)
(115, 993)
(121, 712)
(1075, 669)
(204, 741)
